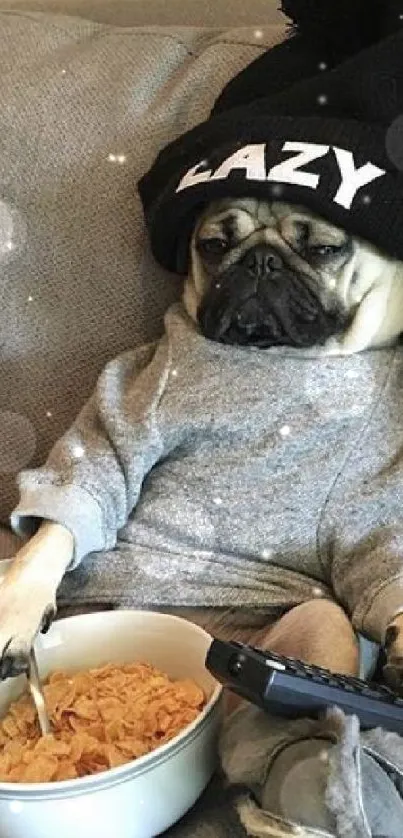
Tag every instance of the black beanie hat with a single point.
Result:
(316, 121)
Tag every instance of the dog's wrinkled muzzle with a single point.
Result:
(262, 302)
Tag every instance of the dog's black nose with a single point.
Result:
(262, 260)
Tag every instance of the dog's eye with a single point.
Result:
(323, 249)
(213, 246)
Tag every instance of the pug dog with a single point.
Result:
(273, 275)
(264, 275)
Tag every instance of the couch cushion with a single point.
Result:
(159, 12)
(85, 108)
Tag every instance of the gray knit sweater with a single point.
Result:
(202, 474)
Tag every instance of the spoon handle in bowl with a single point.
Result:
(38, 697)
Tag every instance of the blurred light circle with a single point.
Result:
(12, 231)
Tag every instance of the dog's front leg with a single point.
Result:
(28, 594)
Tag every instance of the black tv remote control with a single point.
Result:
(288, 687)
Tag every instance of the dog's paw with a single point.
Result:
(24, 612)
(333, 346)
(393, 669)
(340, 346)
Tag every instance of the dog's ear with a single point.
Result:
(183, 255)
(183, 242)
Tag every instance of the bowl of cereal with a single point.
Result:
(134, 724)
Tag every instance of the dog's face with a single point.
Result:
(272, 274)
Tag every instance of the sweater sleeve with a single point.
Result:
(94, 473)
(365, 547)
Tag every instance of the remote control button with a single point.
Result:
(334, 685)
(235, 665)
(369, 692)
(385, 692)
(355, 682)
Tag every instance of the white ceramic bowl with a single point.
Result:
(144, 797)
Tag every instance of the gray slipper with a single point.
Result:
(304, 778)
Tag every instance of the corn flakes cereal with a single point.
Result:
(100, 719)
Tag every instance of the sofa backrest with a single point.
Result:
(84, 110)
(213, 13)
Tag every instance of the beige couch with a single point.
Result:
(206, 13)
(86, 103)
